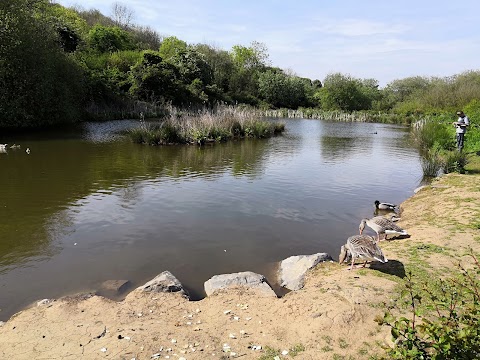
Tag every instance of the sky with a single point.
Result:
(384, 40)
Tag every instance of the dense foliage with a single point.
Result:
(62, 64)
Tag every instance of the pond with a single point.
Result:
(87, 205)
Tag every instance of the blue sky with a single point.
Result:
(385, 40)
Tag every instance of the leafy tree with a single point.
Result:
(156, 80)
(402, 89)
(282, 90)
(39, 84)
(223, 68)
(171, 46)
(108, 39)
(343, 92)
(94, 17)
(145, 38)
(254, 56)
(194, 72)
(71, 28)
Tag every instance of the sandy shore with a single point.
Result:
(331, 318)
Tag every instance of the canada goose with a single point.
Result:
(3, 146)
(362, 247)
(384, 206)
(381, 226)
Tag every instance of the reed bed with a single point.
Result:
(205, 126)
(354, 116)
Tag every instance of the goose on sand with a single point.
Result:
(384, 205)
(381, 226)
(361, 247)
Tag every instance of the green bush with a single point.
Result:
(435, 134)
(454, 161)
(449, 327)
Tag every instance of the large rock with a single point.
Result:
(293, 269)
(245, 279)
(113, 287)
(164, 282)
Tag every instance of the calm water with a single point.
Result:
(88, 206)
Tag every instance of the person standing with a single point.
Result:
(461, 124)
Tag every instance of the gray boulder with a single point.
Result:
(293, 269)
(113, 287)
(246, 279)
(164, 282)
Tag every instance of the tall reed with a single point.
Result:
(205, 126)
(354, 116)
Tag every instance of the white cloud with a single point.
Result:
(357, 27)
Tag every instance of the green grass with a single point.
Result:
(342, 343)
(296, 349)
(269, 353)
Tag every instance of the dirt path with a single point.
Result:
(331, 318)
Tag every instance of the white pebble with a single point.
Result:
(232, 336)
(226, 312)
(236, 318)
(103, 349)
(248, 318)
(285, 352)
(242, 332)
(174, 341)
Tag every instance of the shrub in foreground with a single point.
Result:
(444, 319)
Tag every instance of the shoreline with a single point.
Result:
(331, 317)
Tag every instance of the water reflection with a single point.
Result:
(59, 174)
(98, 207)
(335, 149)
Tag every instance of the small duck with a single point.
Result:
(384, 206)
(362, 247)
(381, 226)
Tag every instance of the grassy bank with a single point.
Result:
(205, 126)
